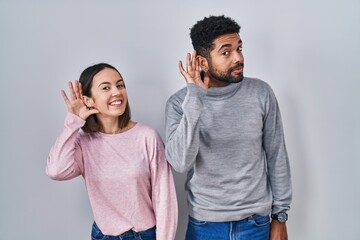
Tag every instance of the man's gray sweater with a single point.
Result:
(230, 140)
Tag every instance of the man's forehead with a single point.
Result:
(231, 38)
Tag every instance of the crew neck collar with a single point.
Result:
(223, 92)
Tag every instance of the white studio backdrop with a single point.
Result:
(308, 51)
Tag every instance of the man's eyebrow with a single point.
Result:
(224, 46)
(228, 45)
(118, 81)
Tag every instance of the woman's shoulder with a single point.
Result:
(147, 131)
(145, 128)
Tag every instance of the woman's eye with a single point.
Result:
(120, 85)
(106, 88)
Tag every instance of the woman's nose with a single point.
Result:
(116, 91)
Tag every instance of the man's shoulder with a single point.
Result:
(178, 96)
(256, 82)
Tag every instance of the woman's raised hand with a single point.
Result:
(76, 104)
(192, 72)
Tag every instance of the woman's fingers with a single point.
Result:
(93, 111)
(66, 99)
(72, 92)
(81, 92)
(77, 89)
(68, 102)
(75, 104)
(85, 112)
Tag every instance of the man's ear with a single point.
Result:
(89, 102)
(203, 63)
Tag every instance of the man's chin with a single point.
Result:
(237, 79)
(230, 78)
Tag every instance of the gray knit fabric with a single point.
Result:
(230, 140)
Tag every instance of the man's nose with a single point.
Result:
(238, 57)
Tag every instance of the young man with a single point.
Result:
(225, 131)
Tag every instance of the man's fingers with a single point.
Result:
(195, 61)
(206, 80)
(182, 70)
(188, 62)
(184, 73)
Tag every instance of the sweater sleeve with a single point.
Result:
(182, 128)
(276, 155)
(163, 193)
(65, 159)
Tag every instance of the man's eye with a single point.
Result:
(225, 53)
(239, 49)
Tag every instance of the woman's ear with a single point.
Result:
(203, 63)
(89, 102)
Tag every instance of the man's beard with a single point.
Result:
(227, 77)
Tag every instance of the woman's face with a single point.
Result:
(108, 93)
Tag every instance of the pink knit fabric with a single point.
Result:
(129, 182)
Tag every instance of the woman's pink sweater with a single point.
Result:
(128, 180)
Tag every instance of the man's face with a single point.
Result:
(226, 62)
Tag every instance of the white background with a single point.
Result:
(308, 51)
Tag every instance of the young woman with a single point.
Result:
(129, 183)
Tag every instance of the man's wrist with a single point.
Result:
(280, 217)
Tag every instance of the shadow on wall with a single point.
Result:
(296, 136)
(179, 179)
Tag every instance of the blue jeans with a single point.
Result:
(255, 227)
(149, 234)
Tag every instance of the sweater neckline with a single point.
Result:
(121, 134)
(224, 92)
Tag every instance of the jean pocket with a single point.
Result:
(260, 221)
(149, 234)
(196, 222)
(96, 233)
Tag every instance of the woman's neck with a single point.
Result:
(111, 125)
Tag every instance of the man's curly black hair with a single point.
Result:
(204, 32)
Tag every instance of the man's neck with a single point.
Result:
(216, 83)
